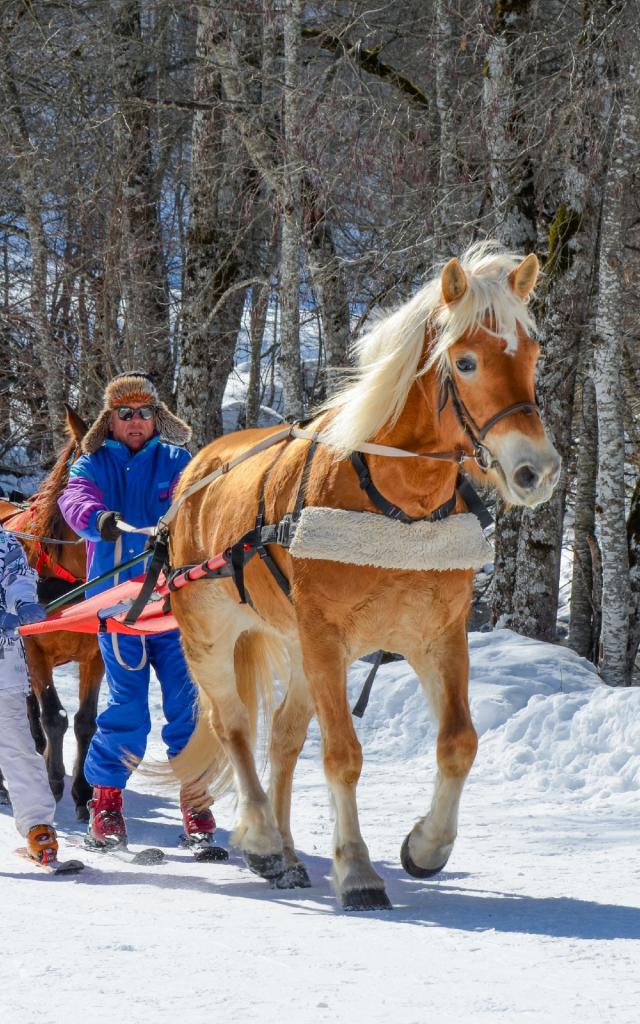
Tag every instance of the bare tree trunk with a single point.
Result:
(633, 542)
(573, 239)
(506, 127)
(513, 205)
(145, 283)
(329, 286)
(454, 214)
(290, 366)
(213, 287)
(607, 378)
(24, 154)
(259, 306)
(582, 621)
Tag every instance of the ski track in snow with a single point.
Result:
(535, 918)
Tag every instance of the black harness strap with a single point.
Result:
(388, 509)
(474, 502)
(360, 706)
(159, 560)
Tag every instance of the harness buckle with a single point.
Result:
(285, 530)
(483, 457)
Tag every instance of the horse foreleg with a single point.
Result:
(53, 716)
(55, 724)
(211, 663)
(35, 723)
(444, 673)
(84, 725)
(358, 886)
(288, 733)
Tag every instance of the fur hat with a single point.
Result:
(137, 387)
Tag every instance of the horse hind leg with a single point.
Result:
(444, 675)
(84, 725)
(212, 662)
(288, 733)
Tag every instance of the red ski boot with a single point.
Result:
(106, 822)
(199, 830)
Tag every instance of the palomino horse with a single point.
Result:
(57, 565)
(451, 371)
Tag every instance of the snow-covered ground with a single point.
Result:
(535, 918)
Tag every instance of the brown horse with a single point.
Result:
(451, 371)
(58, 565)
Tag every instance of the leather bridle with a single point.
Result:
(482, 455)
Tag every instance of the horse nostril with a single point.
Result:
(526, 478)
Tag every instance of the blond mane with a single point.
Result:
(387, 358)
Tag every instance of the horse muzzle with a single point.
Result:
(529, 471)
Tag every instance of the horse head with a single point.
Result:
(488, 380)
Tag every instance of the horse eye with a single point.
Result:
(465, 364)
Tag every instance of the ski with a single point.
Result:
(53, 867)
(203, 848)
(147, 857)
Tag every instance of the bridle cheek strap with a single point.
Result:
(476, 433)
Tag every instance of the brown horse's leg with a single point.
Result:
(53, 716)
(288, 733)
(84, 725)
(444, 673)
(35, 723)
(357, 884)
(210, 656)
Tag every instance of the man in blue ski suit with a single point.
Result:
(132, 458)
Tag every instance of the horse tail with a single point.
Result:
(203, 765)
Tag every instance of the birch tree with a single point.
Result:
(607, 378)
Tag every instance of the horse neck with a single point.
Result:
(419, 485)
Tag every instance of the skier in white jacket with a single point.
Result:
(23, 768)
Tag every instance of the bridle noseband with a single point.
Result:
(481, 453)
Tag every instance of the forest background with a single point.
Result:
(191, 188)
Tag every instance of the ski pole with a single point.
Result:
(77, 591)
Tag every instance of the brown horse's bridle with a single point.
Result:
(482, 455)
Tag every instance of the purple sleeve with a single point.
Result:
(80, 503)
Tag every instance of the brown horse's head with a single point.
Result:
(488, 375)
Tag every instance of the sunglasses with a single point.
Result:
(127, 412)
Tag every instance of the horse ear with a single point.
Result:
(76, 425)
(454, 281)
(523, 278)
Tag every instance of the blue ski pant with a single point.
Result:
(124, 725)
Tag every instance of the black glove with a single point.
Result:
(107, 525)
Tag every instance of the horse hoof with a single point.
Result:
(82, 812)
(293, 877)
(270, 866)
(412, 868)
(365, 899)
(57, 788)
